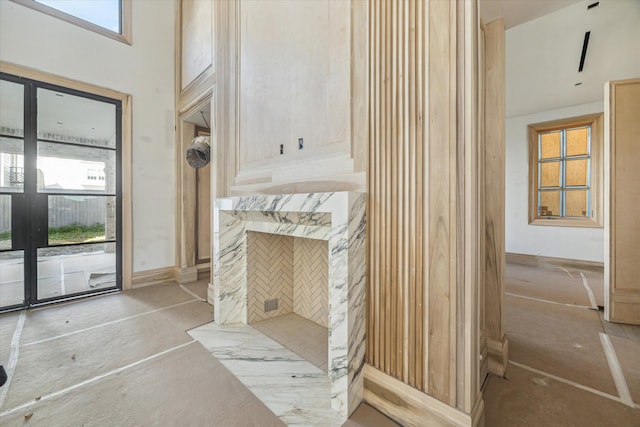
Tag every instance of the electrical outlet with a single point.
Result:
(281, 148)
(300, 143)
(270, 305)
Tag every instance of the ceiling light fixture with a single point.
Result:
(585, 44)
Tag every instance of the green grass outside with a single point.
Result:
(70, 234)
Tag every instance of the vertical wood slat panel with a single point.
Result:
(410, 315)
(386, 57)
(372, 185)
(398, 196)
(421, 213)
(405, 192)
(393, 183)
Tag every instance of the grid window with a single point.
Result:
(564, 181)
(111, 18)
(565, 172)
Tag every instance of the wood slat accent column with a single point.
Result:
(397, 171)
(422, 302)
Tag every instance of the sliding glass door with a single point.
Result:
(60, 193)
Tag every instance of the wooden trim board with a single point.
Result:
(543, 261)
(492, 172)
(411, 407)
(186, 275)
(497, 356)
(152, 277)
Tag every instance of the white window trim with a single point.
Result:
(125, 19)
(596, 122)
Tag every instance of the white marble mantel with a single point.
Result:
(338, 218)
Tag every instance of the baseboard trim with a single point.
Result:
(543, 261)
(484, 361)
(498, 356)
(186, 275)
(140, 279)
(411, 407)
(206, 267)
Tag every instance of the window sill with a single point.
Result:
(566, 222)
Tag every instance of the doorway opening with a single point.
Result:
(194, 201)
(60, 193)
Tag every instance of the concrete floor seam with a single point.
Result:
(616, 370)
(94, 379)
(566, 271)
(112, 322)
(13, 357)
(184, 288)
(592, 299)
(572, 383)
(547, 301)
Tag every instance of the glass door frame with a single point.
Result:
(30, 226)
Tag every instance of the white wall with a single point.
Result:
(521, 237)
(542, 58)
(146, 71)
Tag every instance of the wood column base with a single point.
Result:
(412, 407)
(186, 275)
(498, 355)
(150, 277)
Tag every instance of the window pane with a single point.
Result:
(68, 118)
(550, 174)
(11, 132)
(578, 142)
(5, 222)
(550, 145)
(11, 108)
(105, 13)
(11, 278)
(577, 203)
(81, 219)
(71, 168)
(11, 165)
(549, 203)
(577, 172)
(74, 269)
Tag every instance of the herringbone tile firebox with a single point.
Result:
(291, 270)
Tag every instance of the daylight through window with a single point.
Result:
(564, 169)
(111, 18)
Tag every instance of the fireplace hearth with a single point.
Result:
(335, 218)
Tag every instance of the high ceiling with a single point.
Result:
(543, 55)
(516, 12)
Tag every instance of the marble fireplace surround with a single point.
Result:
(338, 218)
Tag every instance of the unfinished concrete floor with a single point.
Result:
(125, 359)
(563, 355)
